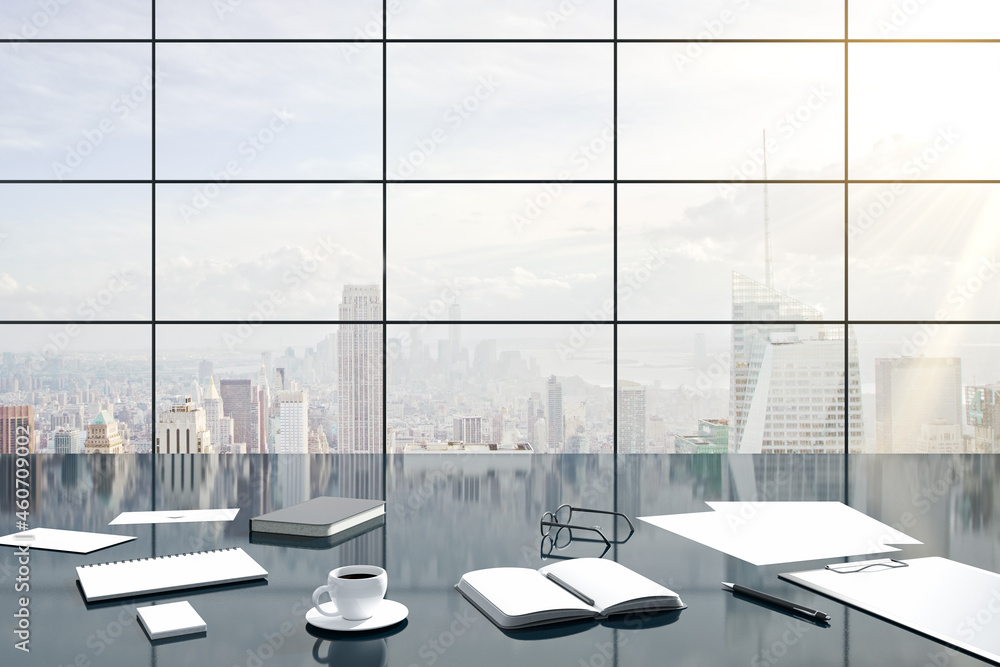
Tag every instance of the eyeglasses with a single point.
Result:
(548, 548)
(562, 520)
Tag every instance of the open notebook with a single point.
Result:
(514, 597)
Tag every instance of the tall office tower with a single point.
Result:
(469, 429)
(240, 401)
(69, 441)
(263, 410)
(293, 422)
(794, 398)
(205, 369)
(485, 360)
(359, 371)
(183, 430)
(631, 417)
(455, 332)
(221, 427)
(279, 380)
(556, 419)
(103, 436)
(982, 413)
(267, 360)
(773, 313)
(911, 392)
(17, 426)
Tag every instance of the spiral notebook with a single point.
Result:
(145, 576)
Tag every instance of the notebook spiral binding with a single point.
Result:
(142, 560)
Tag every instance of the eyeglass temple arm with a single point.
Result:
(553, 524)
(587, 509)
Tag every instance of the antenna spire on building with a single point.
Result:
(768, 268)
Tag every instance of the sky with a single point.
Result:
(75, 251)
(268, 111)
(538, 19)
(48, 339)
(284, 251)
(459, 243)
(690, 110)
(171, 338)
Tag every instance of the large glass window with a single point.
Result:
(413, 227)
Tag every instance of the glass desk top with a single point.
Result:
(447, 514)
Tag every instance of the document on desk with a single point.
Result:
(950, 601)
(765, 533)
(174, 516)
(73, 541)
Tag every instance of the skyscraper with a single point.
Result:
(69, 441)
(631, 417)
(787, 376)
(17, 426)
(240, 401)
(183, 430)
(263, 410)
(982, 413)
(221, 427)
(556, 418)
(103, 436)
(795, 393)
(359, 371)
(469, 429)
(293, 422)
(911, 392)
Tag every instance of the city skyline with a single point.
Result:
(620, 195)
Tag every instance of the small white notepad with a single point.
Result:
(171, 620)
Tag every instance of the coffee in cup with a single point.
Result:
(356, 591)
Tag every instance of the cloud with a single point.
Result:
(7, 284)
(297, 283)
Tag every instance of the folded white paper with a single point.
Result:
(52, 539)
(174, 516)
(765, 533)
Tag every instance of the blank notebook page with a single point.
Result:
(104, 581)
(517, 591)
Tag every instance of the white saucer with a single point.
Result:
(388, 613)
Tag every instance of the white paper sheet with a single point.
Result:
(174, 516)
(947, 600)
(765, 533)
(72, 541)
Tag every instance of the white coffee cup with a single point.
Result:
(356, 591)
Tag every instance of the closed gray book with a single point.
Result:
(319, 517)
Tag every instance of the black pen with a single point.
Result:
(797, 609)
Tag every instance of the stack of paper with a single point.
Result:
(764, 533)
